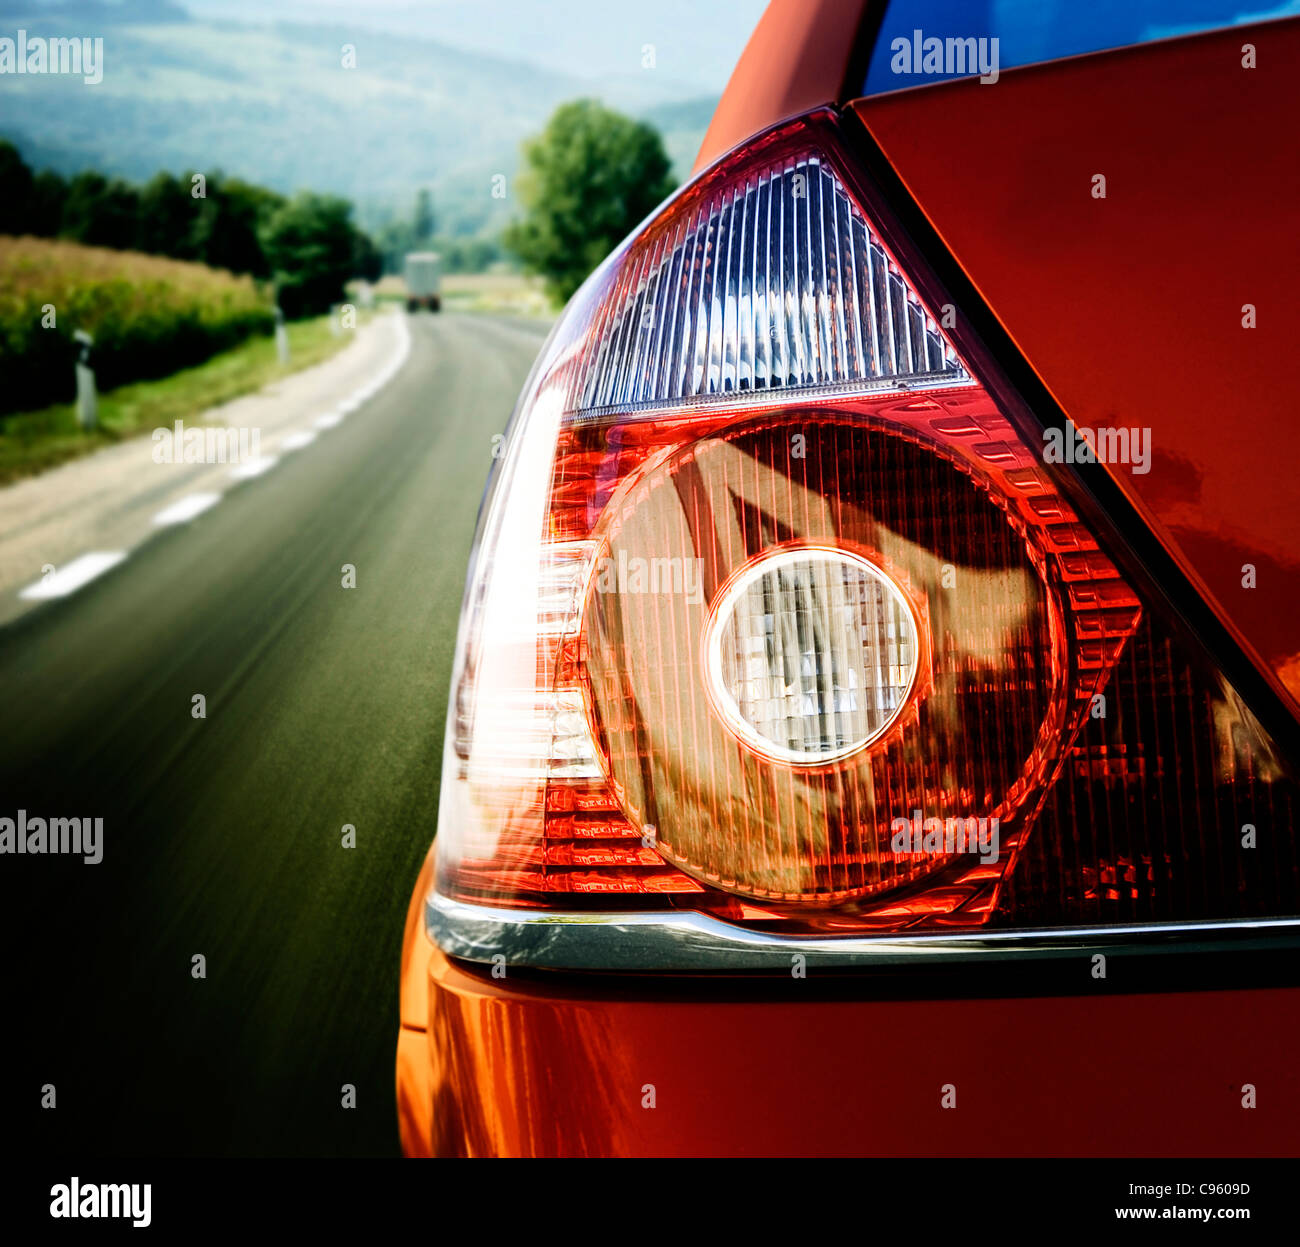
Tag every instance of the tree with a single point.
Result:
(310, 243)
(423, 217)
(469, 255)
(394, 240)
(101, 213)
(367, 259)
(589, 177)
(167, 217)
(16, 187)
(229, 225)
(49, 191)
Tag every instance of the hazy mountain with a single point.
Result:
(695, 44)
(274, 102)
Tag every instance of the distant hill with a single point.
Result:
(272, 102)
(695, 42)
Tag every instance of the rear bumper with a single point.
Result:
(657, 1066)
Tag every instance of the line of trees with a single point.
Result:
(396, 238)
(308, 244)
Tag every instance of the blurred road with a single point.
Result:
(112, 500)
(222, 836)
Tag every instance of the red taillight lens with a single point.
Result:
(775, 615)
(900, 698)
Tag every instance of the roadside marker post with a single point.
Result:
(281, 336)
(87, 400)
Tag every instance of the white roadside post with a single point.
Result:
(87, 401)
(281, 336)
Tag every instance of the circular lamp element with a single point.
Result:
(810, 654)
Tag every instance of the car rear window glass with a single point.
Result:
(922, 42)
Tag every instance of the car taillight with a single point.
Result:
(776, 616)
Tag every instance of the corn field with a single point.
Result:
(149, 316)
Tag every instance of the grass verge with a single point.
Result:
(495, 294)
(31, 442)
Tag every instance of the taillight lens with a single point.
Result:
(773, 614)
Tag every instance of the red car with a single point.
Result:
(874, 718)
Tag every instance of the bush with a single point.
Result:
(310, 247)
(149, 317)
(589, 178)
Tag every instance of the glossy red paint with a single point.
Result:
(414, 1069)
(800, 56)
(539, 1069)
(1130, 307)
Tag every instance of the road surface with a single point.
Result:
(223, 835)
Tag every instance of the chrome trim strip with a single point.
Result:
(761, 400)
(680, 941)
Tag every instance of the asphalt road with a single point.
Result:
(325, 707)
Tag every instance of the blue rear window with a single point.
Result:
(927, 41)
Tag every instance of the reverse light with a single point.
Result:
(767, 568)
(810, 654)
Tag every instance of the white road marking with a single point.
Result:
(254, 467)
(70, 577)
(184, 509)
(85, 568)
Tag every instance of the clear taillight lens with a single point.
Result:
(810, 654)
(770, 280)
(774, 614)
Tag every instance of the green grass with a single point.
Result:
(497, 294)
(31, 442)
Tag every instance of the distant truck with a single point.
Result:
(423, 274)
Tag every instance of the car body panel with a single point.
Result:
(414, 982)
(1130, 308)
(560, 1067)
(802, 54)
